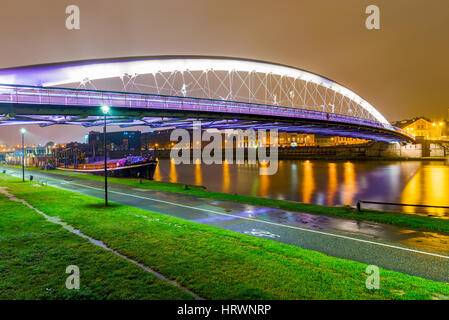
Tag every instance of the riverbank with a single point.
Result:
(297, 154)
(212, 262)
(371, 151)
(413, 221)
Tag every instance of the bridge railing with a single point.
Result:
(95, 98)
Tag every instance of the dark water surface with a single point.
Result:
(326, 182)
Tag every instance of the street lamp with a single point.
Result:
(23, 153)
(105, 110)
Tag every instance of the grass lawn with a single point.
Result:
(395, 218)
(214, 263)
(34, 254)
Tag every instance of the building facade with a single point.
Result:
(115, 141)
(424, 128)
(34, 156)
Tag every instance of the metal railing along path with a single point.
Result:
(359, 205)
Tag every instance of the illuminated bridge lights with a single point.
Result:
(255, 93)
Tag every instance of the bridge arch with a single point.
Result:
(170, 91)
(218, 78)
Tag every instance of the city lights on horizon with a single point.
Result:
(428, 129)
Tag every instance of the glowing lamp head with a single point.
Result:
(105, 109)
(22, 130)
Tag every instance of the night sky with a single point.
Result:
(402, 69)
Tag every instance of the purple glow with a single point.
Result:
(10, 94)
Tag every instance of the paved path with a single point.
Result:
(424, 254)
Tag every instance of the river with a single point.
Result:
(326, 182)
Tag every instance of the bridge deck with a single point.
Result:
(43, 105)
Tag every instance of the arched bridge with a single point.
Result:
(171, 91)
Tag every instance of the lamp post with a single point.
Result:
(105, 110)
(23, 153)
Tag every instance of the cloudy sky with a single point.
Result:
(402, 69)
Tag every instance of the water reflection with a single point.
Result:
(198, 173)
(412, 193)
(333, 183)
(349, 184)
(308, 185)
(226, 177)
(430, 186)
(157, 173)
(324, 182)
(264, 186)
(173, 173)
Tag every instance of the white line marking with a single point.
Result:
(271, 223)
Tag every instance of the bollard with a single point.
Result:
(359, 206)
(140, 178)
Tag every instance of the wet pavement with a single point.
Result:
(424, 254)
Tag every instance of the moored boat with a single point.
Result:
(135, 167)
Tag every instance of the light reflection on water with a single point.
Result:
(326, 182)
(430, 185)
(226, 178)
(349, 184)
(332, 183)
(308, 185)
(198, 174)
